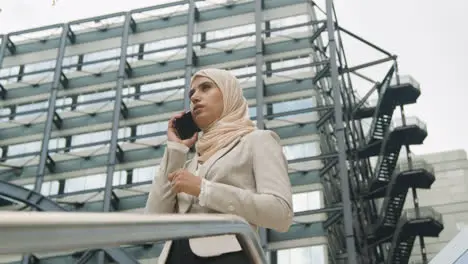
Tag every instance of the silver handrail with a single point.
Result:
(35, 232)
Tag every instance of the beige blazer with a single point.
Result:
(248, 178)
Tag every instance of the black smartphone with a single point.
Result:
(185, 126)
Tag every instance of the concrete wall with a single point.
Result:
(448, 195)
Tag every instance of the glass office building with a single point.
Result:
(85, 105)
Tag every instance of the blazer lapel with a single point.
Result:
(186, 201)
(209, 163)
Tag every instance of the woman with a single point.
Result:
(237, 170)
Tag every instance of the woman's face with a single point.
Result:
(207, 101)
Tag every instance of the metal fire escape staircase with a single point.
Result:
(390, 184)
(427, 223)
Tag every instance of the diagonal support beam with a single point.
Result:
(3, 92)
(340, 137)
(11, 46)
(260, 85)
(71, 35)
(44, 159)
(113, 149)
(44, 155)
(190, 61)
(3, 48)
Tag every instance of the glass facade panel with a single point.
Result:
(85, 183)
(120, 178)
(307, 201)
(39, 72)
(302, 255)
(9, 75)
(302, 150)
(101, 60)
(88, 138)
(95, 100)
(165, 49)
(48, 188)
(288, 21)
(145, 174)
(228, 38)
(23, 148)
(32, 111)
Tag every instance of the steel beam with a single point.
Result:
(3, 48)
(190, 61)
(259, 51)
(113, 148)
(44, 155)
(116, 114)
(260, 85)
(340, 136)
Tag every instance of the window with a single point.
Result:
(94, 181)
(252, 111)
(31, 111)
(231, 33)
(132, 52)
(162, 50)
(101, 60)
(161, 91)
(239, 72)
(278, 66)
(288, 21)
(95, 100)
(31, 75)
(120, 178)
(302, 150)
(47, 188)
(90, 138)
(303, 255)
(61, 102)
(57, 143)
(307, 201)
(4, 113)
(152, 128)
(85, 183)
(145, 174)
(24, 148)
(287, 106)
(9, 75)
(69, 64)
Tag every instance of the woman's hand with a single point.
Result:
(186, 182)
(172, 133)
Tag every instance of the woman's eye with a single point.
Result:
(191, 93)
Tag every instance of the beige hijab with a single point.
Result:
(234, 121)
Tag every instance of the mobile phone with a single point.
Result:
(185, 126)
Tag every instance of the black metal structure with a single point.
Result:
(361, 232)
(278, 62)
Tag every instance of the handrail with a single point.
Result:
(34, 232)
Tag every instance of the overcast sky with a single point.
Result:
(429, 37)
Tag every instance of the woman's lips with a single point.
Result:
(197, 109)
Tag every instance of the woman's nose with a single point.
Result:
(195, 98)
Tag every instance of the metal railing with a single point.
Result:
(37, 232)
